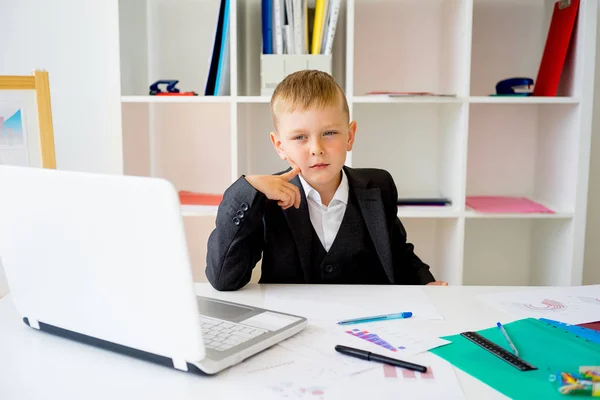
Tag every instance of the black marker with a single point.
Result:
(367, 355)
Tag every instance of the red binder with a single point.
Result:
(199, 199)
(557, 44)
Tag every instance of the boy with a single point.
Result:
(320, 221)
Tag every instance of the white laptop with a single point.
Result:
(102, 259)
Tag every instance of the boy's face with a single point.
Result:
(316, 140)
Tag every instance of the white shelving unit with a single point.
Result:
(470, 144)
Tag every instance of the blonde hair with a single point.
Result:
(307, 89)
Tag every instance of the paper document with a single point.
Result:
(381, 382)
(317, 344)
(388, 382)
(391, 338)
(573, 304)
(332, 303)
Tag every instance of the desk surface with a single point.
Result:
(38, 365)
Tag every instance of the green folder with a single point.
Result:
(549, 348)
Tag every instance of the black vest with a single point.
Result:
(352, 258)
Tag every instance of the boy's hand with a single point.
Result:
(437, 283)
(278, 187)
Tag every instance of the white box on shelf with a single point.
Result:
(275, 67)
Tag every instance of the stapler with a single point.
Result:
(171, 89)
(514, 87)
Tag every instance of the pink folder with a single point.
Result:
(505, 204)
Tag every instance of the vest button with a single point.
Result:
(329, 268)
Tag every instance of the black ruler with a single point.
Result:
(499, 351)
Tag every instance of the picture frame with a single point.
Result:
(26, 131)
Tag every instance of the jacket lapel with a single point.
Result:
(300, 226)
(371, 207)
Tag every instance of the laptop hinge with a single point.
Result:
(180, 364)
(33, 323)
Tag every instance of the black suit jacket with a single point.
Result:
(249, 224)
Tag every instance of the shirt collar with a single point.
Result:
(341, 193)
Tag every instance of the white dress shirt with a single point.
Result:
(327, 219)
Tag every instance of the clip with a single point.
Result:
(562, 4)
(507, 86)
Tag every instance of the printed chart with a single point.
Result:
(391, 372)
(373, 338)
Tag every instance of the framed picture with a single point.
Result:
(26, 133)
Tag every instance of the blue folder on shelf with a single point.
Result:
(219, 54)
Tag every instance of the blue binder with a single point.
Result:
(267, 26)
(584, 333)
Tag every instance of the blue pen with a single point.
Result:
(375, 318)
(510, 343)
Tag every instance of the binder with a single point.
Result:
(289, 33)
(543, 345)
(329, 34)
(557, 43)
(278, 26)
(267, 26)
(187, 197)
(320, 8)
(211, 81)
(222, 83)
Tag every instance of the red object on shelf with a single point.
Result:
(504, 204)
(557, 44)
(199, 199)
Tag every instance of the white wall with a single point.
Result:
(3, 283)
(591, 271)
(77, 42)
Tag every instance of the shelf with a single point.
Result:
(469, 214)
(407, 213)
(407, 99)
(403, 212)
(522, 100)
(256, 155)
(517, 252)
(420, 145)
(508, 40)
(410, 46)
(167, 141)
(433, 146)
(524, 150)
(175, 99)
(165, 40)
(254, 99)
(437, 242)
(427, 212)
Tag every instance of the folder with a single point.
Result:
(505, 204)
(549, 348)
(563, 20)
(267, 26)
(187, 197)
(213, 71)
(578, 330)
(320, 16)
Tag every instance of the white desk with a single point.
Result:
(36, 365)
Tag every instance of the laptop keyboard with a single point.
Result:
(222, 335)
